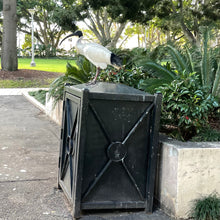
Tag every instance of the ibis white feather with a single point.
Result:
(95, 53)
(98, 55)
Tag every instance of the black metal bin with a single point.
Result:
(108, 147)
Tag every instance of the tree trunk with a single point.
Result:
(9, 59)
(102, 27)
(187, 33)
(117, 34)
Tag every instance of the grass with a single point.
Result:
(50, 65)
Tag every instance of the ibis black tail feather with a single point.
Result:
(115, 60)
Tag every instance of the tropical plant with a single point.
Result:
(160, 74)
(204, 62)
(163, 65)
(207, 208)
(81, 73)
(210, 66)
(186, 106)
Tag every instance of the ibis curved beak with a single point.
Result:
(67, 37)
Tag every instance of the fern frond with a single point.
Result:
(157, 70)
(190, 63)
(151, 84)
(178, 59)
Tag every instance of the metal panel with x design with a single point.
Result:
(68, 145)
(116, 133)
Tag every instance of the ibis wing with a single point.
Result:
(97, 54)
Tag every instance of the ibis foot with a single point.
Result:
(93, 82)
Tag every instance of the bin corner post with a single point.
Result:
(153, 153)
(61, 142)
(82, 141)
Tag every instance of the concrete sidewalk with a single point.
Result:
(29, 148)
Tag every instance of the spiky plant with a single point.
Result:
(81, 73)
(160, 75)
(207, 208)
(204, 62)
(210, 68)
(179, 61)
(216, 83)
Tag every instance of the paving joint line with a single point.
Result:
(27, 180)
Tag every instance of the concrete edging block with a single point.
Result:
(187, 171)
(54, 112)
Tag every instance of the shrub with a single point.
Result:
(186, 106)
(207, 208)
(130, 77)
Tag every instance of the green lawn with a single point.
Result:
(50, 65)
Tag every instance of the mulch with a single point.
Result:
(26, 74)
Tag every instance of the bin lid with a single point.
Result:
(112, 88)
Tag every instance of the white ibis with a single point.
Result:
(98, 55)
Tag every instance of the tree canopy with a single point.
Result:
(48, 31)
(119, 10)
(186, 17)
(139, 11)
(177, 18)
(98, 21)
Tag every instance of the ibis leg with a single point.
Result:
(97, 73)
(95, 78)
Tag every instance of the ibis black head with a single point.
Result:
(77, 33)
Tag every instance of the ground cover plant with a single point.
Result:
(39, 95)
(207, 208)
